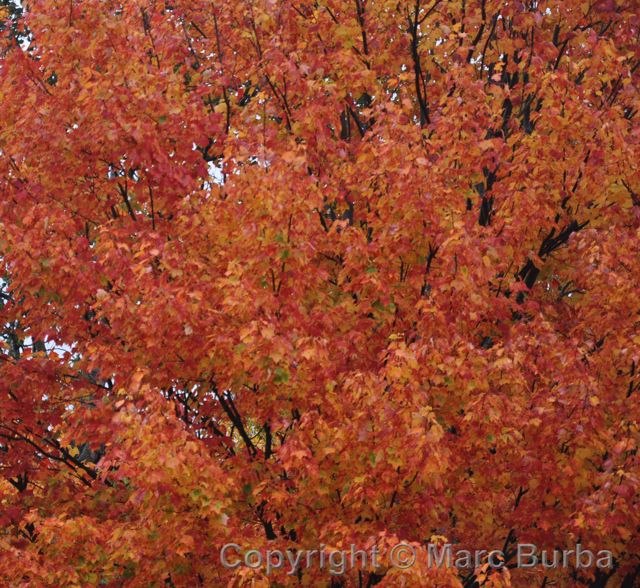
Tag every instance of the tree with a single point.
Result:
(292, 274)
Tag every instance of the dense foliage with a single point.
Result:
(292, 273)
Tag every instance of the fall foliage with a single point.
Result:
(298, 273)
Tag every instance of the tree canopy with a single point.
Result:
(295, 273)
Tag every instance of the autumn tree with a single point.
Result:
(291, 274)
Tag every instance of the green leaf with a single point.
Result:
(281, 376)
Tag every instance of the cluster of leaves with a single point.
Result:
(10, 19)
(300, 273)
